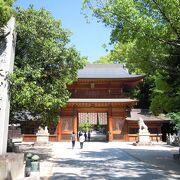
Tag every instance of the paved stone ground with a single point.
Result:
(44, 151)
(98, 160)
(160, 155)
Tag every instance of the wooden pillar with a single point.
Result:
(110, 132)
(59, 129)
(75, 120)
(126, 137)
(125, 110)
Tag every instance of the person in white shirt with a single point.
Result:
(81, 140)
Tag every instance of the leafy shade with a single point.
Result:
(104, 60)
(165, 97)
(150, 19)
(85, 127)
(148, 28)
(44, 64)
(175, 119)
(6, 11)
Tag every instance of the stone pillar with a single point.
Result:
(7, 52)
(42, 135)
(144, 137)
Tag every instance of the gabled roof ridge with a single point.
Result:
(101, 71)
(105, 65)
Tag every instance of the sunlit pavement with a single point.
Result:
(100, 160)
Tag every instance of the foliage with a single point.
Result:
(6, 11)
(44, 64)
(142, 30)
(104, 60)
(175, 119)
(146, 37)
(153, 20)
(166, 97)
(85, 127)
(143, 92)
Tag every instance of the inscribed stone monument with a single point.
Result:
(7, 52)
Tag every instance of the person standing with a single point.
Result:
(85, 136)
(89, 135)
(73, 139)
(79, 134)
(81, 140)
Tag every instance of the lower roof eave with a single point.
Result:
(121, 100)
(147, 119)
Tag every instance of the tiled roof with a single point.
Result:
(145, 115)
(105, 71)
(25, 116)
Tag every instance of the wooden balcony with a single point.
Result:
(101, 93)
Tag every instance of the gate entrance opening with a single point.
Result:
(94, 124)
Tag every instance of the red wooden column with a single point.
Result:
(124, 115)
(75, 120)
(59, 130)
(110, 133)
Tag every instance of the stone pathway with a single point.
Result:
(103, 161)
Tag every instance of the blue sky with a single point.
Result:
(87, 38)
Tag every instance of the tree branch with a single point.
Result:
(166, 18)
(172, 43)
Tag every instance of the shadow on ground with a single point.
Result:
(161, 158)
(44, 152)
(110, 163)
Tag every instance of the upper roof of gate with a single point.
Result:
(109, 71)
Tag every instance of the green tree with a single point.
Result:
(149, 27)
(150, 19)
(6, 11)
(175, 119)
(166, 97)
(85, 127)
(146, 37)
(44, 64)
(143, 92)
(104, 60)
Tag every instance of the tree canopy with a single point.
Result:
(6, 11)
(146, 37)
(175, 117)
(150, 19)
(149, 27)
(44, 64)
(104, 60)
